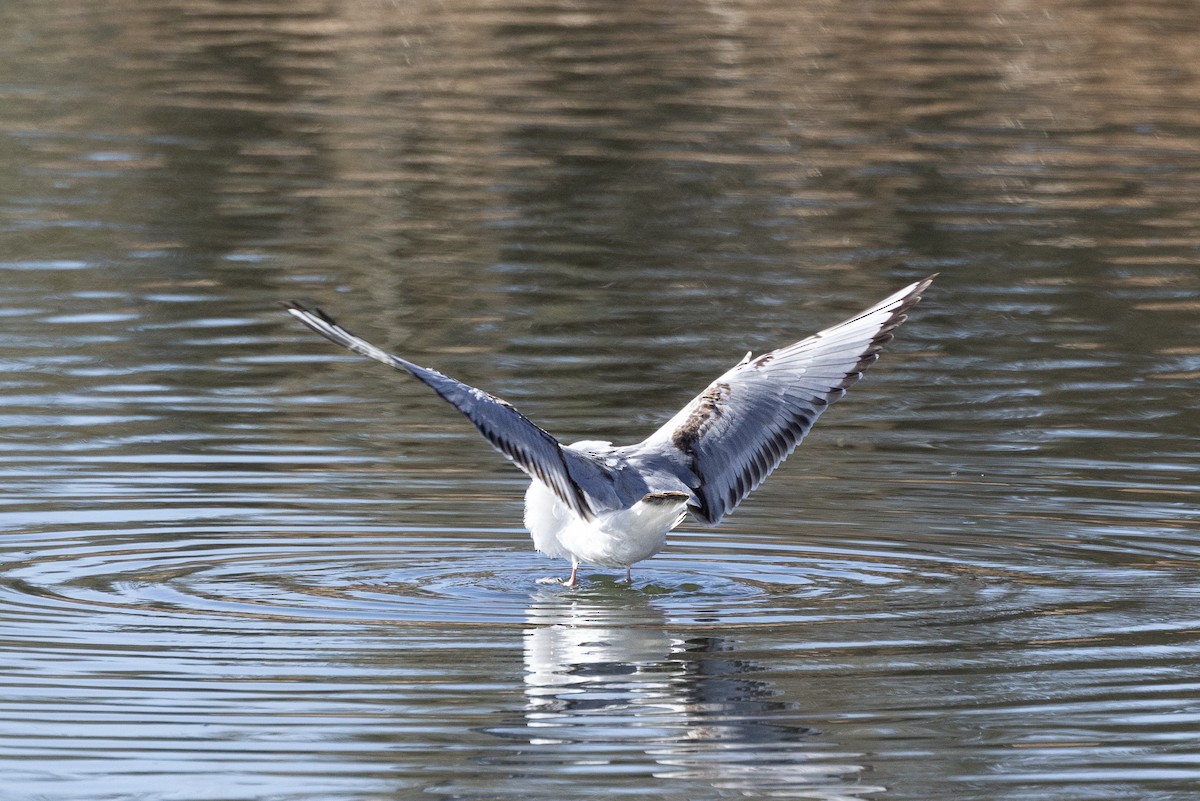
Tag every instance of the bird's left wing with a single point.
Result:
(563, 470)
(732, 435)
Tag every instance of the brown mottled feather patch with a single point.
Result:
(670, 496)
(708, 407)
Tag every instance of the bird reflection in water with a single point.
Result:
(606, 683)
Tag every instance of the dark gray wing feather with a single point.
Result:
(531, 448)
(751, 418)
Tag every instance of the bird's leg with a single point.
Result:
(568, 582)
(628, 575)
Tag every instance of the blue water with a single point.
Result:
(238, 563)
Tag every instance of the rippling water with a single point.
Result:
(236, 563)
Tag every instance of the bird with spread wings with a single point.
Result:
(595, 503)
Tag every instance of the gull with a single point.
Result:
(595, 503)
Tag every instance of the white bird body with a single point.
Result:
(593, 503)
(619, 538)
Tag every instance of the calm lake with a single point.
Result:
(238, 563)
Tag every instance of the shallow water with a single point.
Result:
(238, 563)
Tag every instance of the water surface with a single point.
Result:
(236, 563)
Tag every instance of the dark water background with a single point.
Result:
(239, 564)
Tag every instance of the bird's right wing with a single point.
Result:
(750, 419)
(563, 470)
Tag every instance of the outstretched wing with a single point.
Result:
(531, 448)
(751, 418)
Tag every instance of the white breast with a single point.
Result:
(615, 539)
(545, 517)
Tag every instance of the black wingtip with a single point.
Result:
(302, 308)
(921, 286)
(900, 314)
